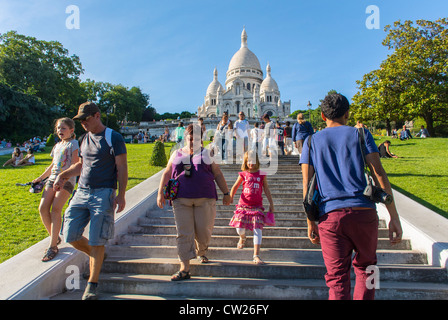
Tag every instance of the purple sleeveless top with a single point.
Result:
(201, 183)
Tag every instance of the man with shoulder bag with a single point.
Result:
(347, 220)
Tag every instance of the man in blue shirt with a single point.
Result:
(348, 219)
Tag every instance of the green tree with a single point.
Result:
(41, 68)
(379, 97)
(124, 102)
(23, 116)
(420, 62)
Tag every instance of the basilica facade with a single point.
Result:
(246, 89)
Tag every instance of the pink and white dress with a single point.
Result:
(249, 213)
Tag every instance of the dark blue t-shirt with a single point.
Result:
(301, 131)
(98, 163)
(337, 159)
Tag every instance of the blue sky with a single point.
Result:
(170, 48)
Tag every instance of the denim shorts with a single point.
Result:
(96, 206)
(68, 186)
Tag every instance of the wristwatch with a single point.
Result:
(227, 193)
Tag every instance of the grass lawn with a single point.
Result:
(20, 224)
(421, 173)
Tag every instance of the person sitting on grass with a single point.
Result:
(28, 160)
(16, 156)
(385, 151)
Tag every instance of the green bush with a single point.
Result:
(50, 140)
(158, 157)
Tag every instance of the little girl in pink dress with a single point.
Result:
(249, 213)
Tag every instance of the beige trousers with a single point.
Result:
(195, 219)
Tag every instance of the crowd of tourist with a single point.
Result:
(334, 155)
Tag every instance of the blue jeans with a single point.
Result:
(96, 206)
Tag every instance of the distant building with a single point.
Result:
(245, 89)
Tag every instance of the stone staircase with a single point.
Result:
(141, 264)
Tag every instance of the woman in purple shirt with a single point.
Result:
(195, 205)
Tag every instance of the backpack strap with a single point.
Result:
(362, 144)
(108, 136)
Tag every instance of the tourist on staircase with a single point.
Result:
(300, 131)
(348, 219)
(195, 205)
(249, 213)
(64, 153)
(102, 165)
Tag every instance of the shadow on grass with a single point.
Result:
(422, 175)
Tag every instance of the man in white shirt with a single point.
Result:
(269, 142)
(242, 134)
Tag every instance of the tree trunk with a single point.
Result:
(429, 123)
(388, 127)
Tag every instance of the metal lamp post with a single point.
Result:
(309, 109)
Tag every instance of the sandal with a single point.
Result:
(180, 275)
(50, 254)
(203, 259)
(241, 243)
(257, 260)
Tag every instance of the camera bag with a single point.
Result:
(312, 197)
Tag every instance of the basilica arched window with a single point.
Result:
(248, 86)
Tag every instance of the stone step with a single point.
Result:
(279, 201)
(278, 215)
(270, 270)
(271, 254)
(228, 213)
(230, 241)
(242, 288)
(224, 221)
(277, 194)
(278, 207)
(228, 230)
(278, 177)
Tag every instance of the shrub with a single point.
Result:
(158, 157)
(50, 140)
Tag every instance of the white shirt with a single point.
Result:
(241, 128)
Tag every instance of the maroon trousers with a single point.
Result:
(341, 232)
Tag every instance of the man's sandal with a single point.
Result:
(180, 275)
(203, 259)
(257, 260)
(50, 254)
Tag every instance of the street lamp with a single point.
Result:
(309, 109)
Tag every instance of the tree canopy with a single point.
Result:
(413, 81)
(40, 81)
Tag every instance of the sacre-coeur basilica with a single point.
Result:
(246, 89)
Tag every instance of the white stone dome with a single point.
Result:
(268, 84)
(214, 85)
(244, 57)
